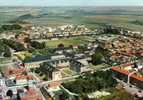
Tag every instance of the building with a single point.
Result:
(30, 94)
(35, 62)
(25, 79)
(79, 66)
(132, 73)
(54, 91)
(58, 57)
(56, 75)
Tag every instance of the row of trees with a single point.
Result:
(10, 27)
(108, 29)
(14, 45)
(37, 45)
(91, 82)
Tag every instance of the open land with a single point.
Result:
(127, 17)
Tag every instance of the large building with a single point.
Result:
(132, 73)
(30, 94)
(11, 72)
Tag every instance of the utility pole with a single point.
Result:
(128, 81)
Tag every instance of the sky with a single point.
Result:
(71, 2)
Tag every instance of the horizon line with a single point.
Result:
(72, 6)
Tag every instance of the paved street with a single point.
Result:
(129, 88)
(62, 80)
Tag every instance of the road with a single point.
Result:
(62, 80)
(129, 88)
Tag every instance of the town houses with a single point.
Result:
(37, 70)
(121, 48)
(37, 32)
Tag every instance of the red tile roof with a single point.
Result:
(54, 84)
(17, 70)
(28, 77)
(118, 69)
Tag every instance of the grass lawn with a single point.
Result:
(99, 67)
(66, 42)
(67, 72)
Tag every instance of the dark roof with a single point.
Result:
(9, 83)
(37, 58)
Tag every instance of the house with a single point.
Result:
(56, 75)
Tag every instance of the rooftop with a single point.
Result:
(15, 71)
(28, 77)
(129, 68)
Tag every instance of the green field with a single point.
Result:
(66, 42)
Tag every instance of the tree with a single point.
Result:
(37, 70)
(9, 93)
(46, 68)
(14, 45)
(27, 40)
(91, 82)
(71, 46)
(10, 27)
(37, 45)
(45, 78)
(61, 46)
(108, 29)
(41, 74)
(7, 53)
(4, 49)
(82, 48)
(97, 58)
